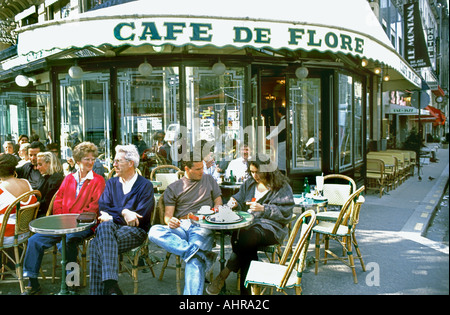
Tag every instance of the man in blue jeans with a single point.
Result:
(192, 243)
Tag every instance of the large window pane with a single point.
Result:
(358, 123)
(25, 113)
(305, 114)
(345, 121)
(149, 105)
(85, 114)
(214, 107)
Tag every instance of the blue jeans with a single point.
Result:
(189, 242)
(38, 243)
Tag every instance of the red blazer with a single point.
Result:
(87, 199)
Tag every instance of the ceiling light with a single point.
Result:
(219, 68)
(75, 72)
(145, 69)
(301, 72)
(22, 80)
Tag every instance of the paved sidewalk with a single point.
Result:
(399, 260)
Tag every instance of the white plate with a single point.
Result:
(205, 212)
(319, 198)
(212, 219)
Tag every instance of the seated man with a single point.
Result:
(239, 165)
(192, 243)
(29, 171)
(125, 207)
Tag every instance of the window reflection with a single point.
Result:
(305, 113)
(149, 112)
(85, 114)
(345, 121)
(214, 108)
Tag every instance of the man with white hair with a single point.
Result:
(125, 209)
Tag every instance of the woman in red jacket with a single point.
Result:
(79, 192)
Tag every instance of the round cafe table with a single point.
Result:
(309, 203)
(222, 228)
(61, 224)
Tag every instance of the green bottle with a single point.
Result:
(232, 178)
(306, 187)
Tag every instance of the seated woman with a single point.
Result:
(79, 192)
(272, 210)
(51, 170)
(11, 188)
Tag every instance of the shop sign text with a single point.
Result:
(203, 33)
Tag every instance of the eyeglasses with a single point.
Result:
(88, 159)
(119, 161)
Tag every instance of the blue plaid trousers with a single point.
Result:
(110, 240)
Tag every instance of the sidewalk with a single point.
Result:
(398, 259)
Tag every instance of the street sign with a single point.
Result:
(424, 99)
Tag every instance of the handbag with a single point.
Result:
(86, 217)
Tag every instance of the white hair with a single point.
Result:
(131, 153)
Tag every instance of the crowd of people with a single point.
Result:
(124, 205)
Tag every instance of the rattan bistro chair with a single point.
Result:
(376, 175)
(21, 216)
(129, 262)
(165, 178)
(281, 276)
(342, 231)
(336, 188)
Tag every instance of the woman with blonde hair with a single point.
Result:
(51, 170)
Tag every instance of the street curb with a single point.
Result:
(421, 217)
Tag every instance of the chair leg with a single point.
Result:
(358, 252)
(134, 272)
(149, 262)
(178, 273)
(317, 252)
(164, 266)
(350, 258)
(327, 246)
(255, 289)
(19, 269)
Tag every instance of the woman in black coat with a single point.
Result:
(269, 197)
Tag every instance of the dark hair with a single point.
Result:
(193, 158)
(37, 144)
(273, 179)
(52, 146)
(282, 110)
(8, 163)
(23, 136)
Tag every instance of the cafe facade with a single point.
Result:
(119, 74)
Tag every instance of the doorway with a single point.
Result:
(273, 116)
